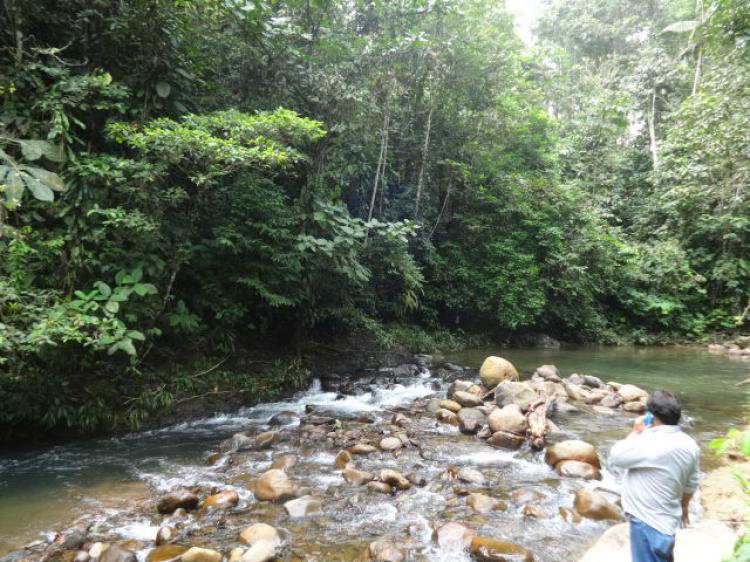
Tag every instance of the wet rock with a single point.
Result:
(400, 420)
(197, 554)
(578, 469)
(379, 488)
(453, 536)
(452, 367)
(283, 418)
(495, 370)
(485, 432)
(166, 553)
(576, 392)
(382, 551)
(470, 420)
(174, 500)
(518, 393)
(602, 411)
(285, 461)
(237, 442)
(405, 370)
(534, 511)
(357, 477)
(451, 405)
(562, 407)
(446, 416)
(572, 450)
(485, 549)
(569, 515)
(260, 532)
(593, 505)
(265, 439)
(433, 405)
(301, 507)
(548, 373)
(81, 556)
(506, 440)
(527, 495)
(97, 549)
(261, 551)
(274, 485)
(343, 459)
(509, 419)
(394, 479)
(614, 385)
(467, 399)
(117, 553)
(235, 555)
(423, 359)
(165, 535)
(612, 400)
(636, 407)
(390, 444)
(222, 500)
(597, 395)
(416, 480)
(362, 449)
(482, 503)
(471, 476)
(464, 386)
(631, 393)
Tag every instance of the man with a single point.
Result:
(662, 473)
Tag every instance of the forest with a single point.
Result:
(183, 181)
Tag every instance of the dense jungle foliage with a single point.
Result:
(189, 179)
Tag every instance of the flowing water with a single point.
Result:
(109, 482)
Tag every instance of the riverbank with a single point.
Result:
(540, 511)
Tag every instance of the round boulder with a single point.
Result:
(467, 399)
(470, 420)
(485, 549)
(222, 500)
(453, 536)
(506, 440)
(595, 506)
(495, 370)
(572, 450)
(578, 469)
(509, 419)
(274, 485)
(260, 532)
(181, 498)
(519, 393)
(631, 393)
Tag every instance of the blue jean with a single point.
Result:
(649, 545)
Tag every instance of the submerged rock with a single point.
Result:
(222, 500)
(260, 532)
(174, 500)
(482, 503)
(166, 553)
(453, 536)
(379, 488)
(285, 461)
(485, 549)
(356, 477)
(527, 495)
(471, 476)
(381, 551)
(301, 507)
(495, 370)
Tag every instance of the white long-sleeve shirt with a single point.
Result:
(662, 463)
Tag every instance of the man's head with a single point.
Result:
(665, 406)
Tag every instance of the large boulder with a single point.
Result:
(631, 393)
(509, 419)
(572, 450)
(470, 420)
(519, 393)
(486, 549)
(495, 370)
(274, 485)
(174, 500)
(594, 505)
(578, 469)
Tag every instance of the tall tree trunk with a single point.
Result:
(380, 167)
(442, 209)
(652, 130)
(425, 154)
(698, 70)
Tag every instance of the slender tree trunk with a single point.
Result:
(442, 209)
(383, 143)
(652, 131)
(425, 154)
(698, 70)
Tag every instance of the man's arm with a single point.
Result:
(690, 486)
(630, 452)
(685, 520)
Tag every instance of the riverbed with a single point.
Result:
(110, 481)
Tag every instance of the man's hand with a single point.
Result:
(638, 425)
(685, 519)
(685, 501)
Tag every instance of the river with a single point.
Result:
(110, 480)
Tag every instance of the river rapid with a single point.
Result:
(109, 485)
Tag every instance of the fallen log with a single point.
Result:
(537, 418)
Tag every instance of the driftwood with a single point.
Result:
(743, 383)
(537, 417)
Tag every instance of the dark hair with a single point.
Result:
(666, 406)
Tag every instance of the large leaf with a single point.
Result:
(14, 187)
(163, 89)
(39, 190)
(35, 149)
(50, 179)
(681, 26)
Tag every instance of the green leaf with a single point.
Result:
(136, 335)
(103, 288)
(14, 187)
(112, 307)
(39, 190)
(50, 179)
(163, 89)
(31, 150)
(143, 289)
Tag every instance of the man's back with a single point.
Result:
(662, 465)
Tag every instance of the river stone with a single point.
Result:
(595, 506)
(467, 399)
(357, 477)
(237, 442)
(381, 551)
(470, 420)
(574, 450)
(471, 475)
(197, 554)
(578, 469)
(509, 419)
(548, 373)
(527, 495)
(260, 532)
(631, 393)
(235, 555)
(343, 459)
(465, 386)
(301, 507)
(97, 548)
(285, 461)
(261, 551)
(446, 416)
(506, 440)
(265, 439)
(180, 498)
(390, 444)
(166, 553)
(636, 407)
(519, 393)
(576, 392)
(395, 479)
(597, 395)
(485, 549)
(612, 400)
(453, 536)
(283, 418)
(362, 449)
(165, 535)
(495, 370)
(400, 420)
(80, 556)
(274, 485)
(569, 515)
(222, 500)
(379, 488)
(451, 405)
(534, 510)
(433, 405)
(116, 553)
(482, 503)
